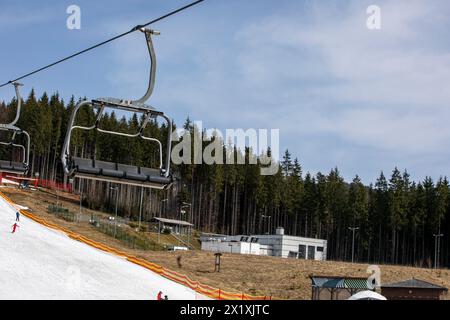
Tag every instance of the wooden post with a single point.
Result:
(217, 263)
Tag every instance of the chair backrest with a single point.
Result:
(18, 166)
(128, 168)
(82, 162)
(105, 165)
(5, 162)
(150, 171)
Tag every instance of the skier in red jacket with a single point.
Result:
(159, 296)
(15, 226)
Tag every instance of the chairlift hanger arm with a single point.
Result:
(151, 50)
(12, 124)
(19, 102)
(65, 154)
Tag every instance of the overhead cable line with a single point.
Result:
(104, 42)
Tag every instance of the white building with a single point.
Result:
(231, 247)
(278, 245)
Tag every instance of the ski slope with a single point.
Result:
(41, 263)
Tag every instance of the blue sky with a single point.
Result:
(341, 95)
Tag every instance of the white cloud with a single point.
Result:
(313, 71)
(358, 79)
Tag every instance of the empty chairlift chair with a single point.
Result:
(160, 177)
(11, 166)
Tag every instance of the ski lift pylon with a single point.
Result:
(86, 168)
(11, 166)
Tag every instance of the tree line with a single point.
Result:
(397, 219)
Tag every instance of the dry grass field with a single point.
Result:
(281, 278)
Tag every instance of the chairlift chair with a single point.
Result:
(87, 168)
(19, 168)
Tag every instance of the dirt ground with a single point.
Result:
(281, 278)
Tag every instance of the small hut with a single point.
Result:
(412, 289)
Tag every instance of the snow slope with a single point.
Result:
(40, 263)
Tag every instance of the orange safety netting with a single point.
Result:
(206, 290)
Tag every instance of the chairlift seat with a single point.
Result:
(158, 178)
(155, 176)
(98, 169)
(108, 169)
(19, 166)
(13, 167)
(132, 172)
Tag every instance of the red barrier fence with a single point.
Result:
(49, 184)
(55, 185)
(17, 179)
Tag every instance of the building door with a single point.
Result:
(311, 251)
(302, 251)
(319, 253)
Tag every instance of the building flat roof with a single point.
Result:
(207, 234)
(286, 236)
(175, 222)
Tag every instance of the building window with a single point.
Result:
(302, 251)
(311, 252)
(319, 249)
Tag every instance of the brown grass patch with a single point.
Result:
(282, 278)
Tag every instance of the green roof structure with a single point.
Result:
(337, 287)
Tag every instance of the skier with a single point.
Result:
(17, 216)
(159, 296)
(15, 225)
(166, 298)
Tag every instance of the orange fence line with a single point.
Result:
(204, 289)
